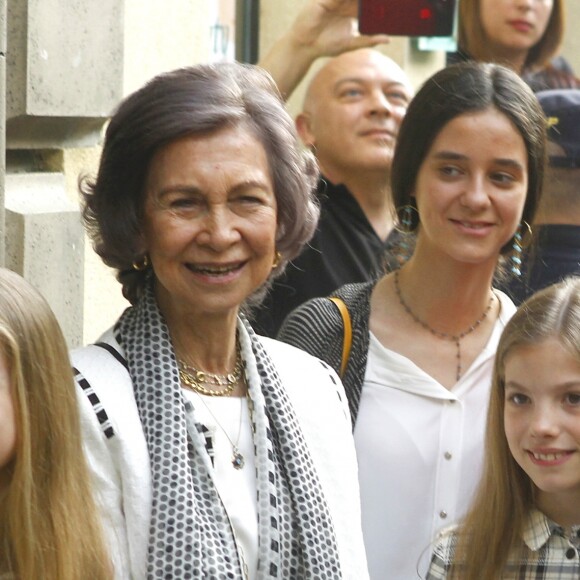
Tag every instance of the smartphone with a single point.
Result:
(406, 17)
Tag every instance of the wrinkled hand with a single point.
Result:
(329, 27)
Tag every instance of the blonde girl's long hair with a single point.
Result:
(494, 525)
(49, 526)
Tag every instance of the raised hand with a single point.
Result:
(321, 28)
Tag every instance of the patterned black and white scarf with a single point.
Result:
(190, 535)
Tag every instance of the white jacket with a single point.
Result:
(119, 461)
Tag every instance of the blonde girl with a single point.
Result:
(525, 521)
(48, 524)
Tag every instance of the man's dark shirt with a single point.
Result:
(556, 256)
(345, 248)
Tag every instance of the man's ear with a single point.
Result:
(303, 122)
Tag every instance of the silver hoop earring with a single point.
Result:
(405, 215)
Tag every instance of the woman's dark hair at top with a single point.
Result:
(196, 100)
(473, 40)
(460, 89)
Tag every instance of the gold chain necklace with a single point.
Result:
(211, 384)
(456, 338)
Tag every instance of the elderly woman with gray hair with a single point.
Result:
(217, 453)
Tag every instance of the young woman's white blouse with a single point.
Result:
(420, 450)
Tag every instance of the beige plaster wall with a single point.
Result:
(161, 36)
(571, 48)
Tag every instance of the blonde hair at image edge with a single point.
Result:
(506, 494)
(48, 520)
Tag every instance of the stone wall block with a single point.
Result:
(45, 244)
(64, 70)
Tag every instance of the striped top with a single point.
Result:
(317, 328)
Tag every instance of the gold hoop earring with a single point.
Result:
(277, 260)
(142, 265)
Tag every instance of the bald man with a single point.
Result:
(350, 120)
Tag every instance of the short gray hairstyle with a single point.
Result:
(196, 100)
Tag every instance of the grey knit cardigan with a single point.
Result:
(316, 327)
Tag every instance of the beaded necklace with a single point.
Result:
(456, 338)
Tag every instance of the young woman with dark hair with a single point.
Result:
(466, 179)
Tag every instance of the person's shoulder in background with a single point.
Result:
(559, 74)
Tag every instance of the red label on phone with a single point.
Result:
(407, 17)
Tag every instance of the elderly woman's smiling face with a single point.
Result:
(210, 221)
